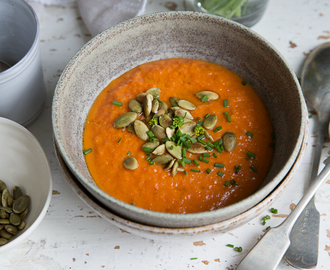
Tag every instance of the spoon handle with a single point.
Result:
(268, 252)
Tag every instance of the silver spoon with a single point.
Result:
(315, 82)
(268, 252)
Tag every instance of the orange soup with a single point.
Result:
(190, 171)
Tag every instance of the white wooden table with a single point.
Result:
(72, 236)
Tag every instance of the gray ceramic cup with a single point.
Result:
(22, 87)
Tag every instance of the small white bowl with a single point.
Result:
(23, 163)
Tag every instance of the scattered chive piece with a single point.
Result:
(208, 171)
(206, 154)
(210, 145)
(225, 103)
(181, 161)
(148, 159)
(193, 259)
(220, 174)
(195, 170)
(87, 151)
(187, 160)
(263, 222)
(230, 245)
(266, 217)
(208, 148)
(185, 172)
(243, 82)
(128, 153)
(156, 98)
(237, 168)
(184, 154)
(147, 149)
(226, 184)
(192, 139)
(207, 115)
(202, 142)
(233, 182)
(196, 162)
(238, 249)
(226, 113)
(254, 168)
(217, 129)
(153, 139)
(217, 147)
(200, 137)
(274, 211)
(200, 158)
(205, 160)
(268, 228)
(150, 134)
(132, 203)
(310, 116)
(117, 103)
(228, 119)
(151, 163)
(166, 139)
(251, 155)
(215, 155)
(119, 140)
(219, 165)
(204, 98)
(249, 134)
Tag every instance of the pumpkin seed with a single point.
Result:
(170, 164)
(3, 241)
(2, 186)
(175, 168)
(141, 130)
(210, 121)
(182, 113)
(140, 97)
(187, 105)
(11, 229)
(1, 227)
(229, 141)
(162, 160)
(173, 101)
(151, 145)
(159, 113)
(163, 106)
(147, 104)
(154, 91)
(173, 149)
(4, 221)
(7, 209)
(159, 150)
(155, 106)
(22, 225)
(208, 136)
(10, 200)
(159, 132)
(5, 235)
(4, 197)
(130, 163)
(130, 128)
(24, 213)
(209, 94)
(197, 148)
(169, 132)
(4, 214)
(125, 119)
(21, 204)
(165, 121)
(135, 106)
(15, 219)
(188, 128)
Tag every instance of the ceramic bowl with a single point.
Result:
(23, 163)
(186, 35)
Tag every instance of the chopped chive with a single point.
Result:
(215, 155)
(266, 217)
(208, 148)
(202, 142)
(119, 140)
(208, 171)
(237, 168)
(184, 154)
(217, 129)
(217, 147)
(148, 159)
(200, 158)
(220, 174)
(263, 222)
(274, 211)
(195, 170)
(233, 182)
(153, 139)
(207, 115)
(87, 151)
(192, 139)
(200, 123)
(186, 144)
(196, 162)
(225, 102)
(200, 137)
(226, 113)
(249, 134)
(226, 183)
(310, 116)
(205, 160)
(228, 119)
(210, 144)
(251, 155)
(243, 82)
(268, 228)
(128, 153)
(150, 134)
(185, 172)
(238, 249)
(151, 163)
(171, 147)
(157, 98)
(147, 149)
(254, 168)
(181, 161)
(219, 165)
(117, 103)
(206, 154)
(187, 160)
(166, 139)
(216, 143)
(193, 258)
(229, 245)
(204, 98)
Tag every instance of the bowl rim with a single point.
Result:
(25, 233)
(266, 189)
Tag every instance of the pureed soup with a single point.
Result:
(178, 136)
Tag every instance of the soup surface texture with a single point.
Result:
(209, 181)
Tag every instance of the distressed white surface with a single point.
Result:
(71, 236)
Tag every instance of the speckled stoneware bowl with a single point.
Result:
(187, 35)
